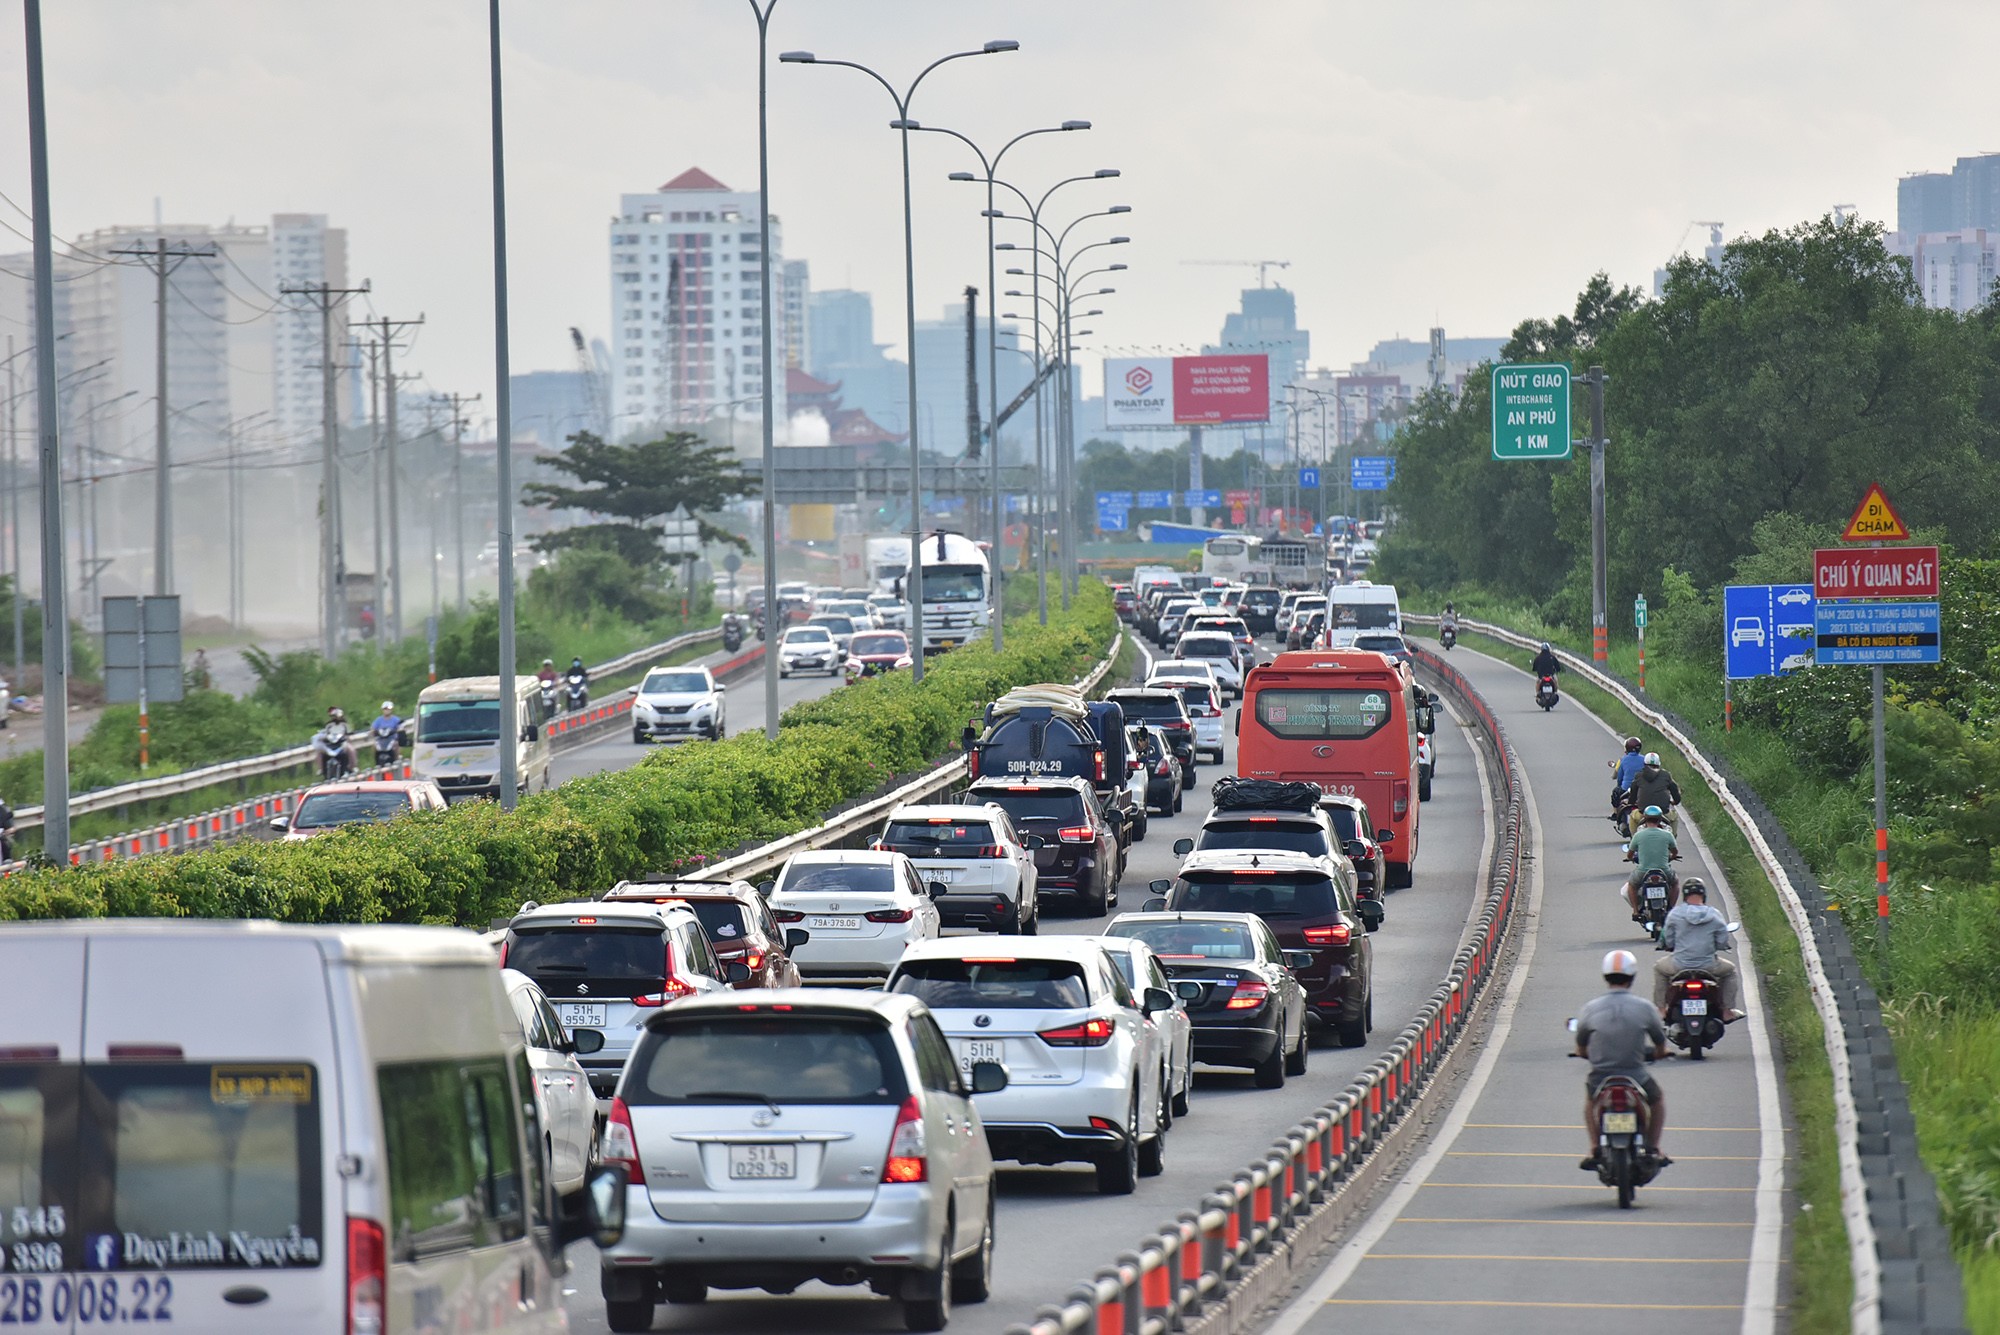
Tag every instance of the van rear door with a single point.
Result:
(208, 1135)
(41, 1081)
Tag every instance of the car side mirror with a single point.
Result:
(604, 1205)
(1156, 1000)
(1371, 913)
(529, 732)
(988, 1077)
(968, 740)
(281, 823)
(937, 889)
(1183, 847)
(1297, 960)
(1385, 836)
(1157, 904)
(583, 1042)
(1033, 841)
(1188, 990)
(1355, 850)
(1160, 887)
(796, 937)
(765, 888)
(736, 971)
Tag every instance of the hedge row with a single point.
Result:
(671, 812)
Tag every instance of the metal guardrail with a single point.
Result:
(1217, 1263)
(1905, 1277)
(866, 818)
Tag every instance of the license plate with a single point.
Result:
(1655, 892)
(947, 644)
(763, 1163)
(979, 1050)
(1692, 1006)
(945, 874)
(575, 1013)
(1624, 1123)
(832, 924)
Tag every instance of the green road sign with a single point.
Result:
(1639, 611)
(1530, 412)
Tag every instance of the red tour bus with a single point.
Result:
(1344, 720)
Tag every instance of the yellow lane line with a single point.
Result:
(1494, 1302)
(1588, 1223)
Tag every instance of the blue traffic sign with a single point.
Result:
(1113, 508)
(1112, 521)
(1209, 499)
(1877, 632)
(1107, 500)
(1309, 479)
(1767, 629)
(1153, 500)
(1371, 472)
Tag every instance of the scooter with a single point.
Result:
(336, 757)
(1655, 890)
(1694, 1008)
(1624, 1162)
(576, 692)
(1546, 694)
(548, 698)
(732, 634)
(388, 748)
(1448, 637)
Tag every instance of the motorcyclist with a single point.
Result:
(331, 741)
(1652, 786)
(1546, 663)
(387, 730)
(1696, 933)
(577, 670)
(576, 684)
(1654, 849)
(547, 676)
(1616, 1032)
(1449, 621)
(1628, 767)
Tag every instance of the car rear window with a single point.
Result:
(994, 984)
(1381, 644)
(1059, 804)
(833, 877)
(1155, 706)
(145, 1166)
(722, 919)
(320, 811)
(1179, 940)
(1274, 896)
(760, 1057)
(1261, 598)
(1344, 823)
(1198, 696)
(1207, 646)
(634, 953)
(939, 837)
(1285, 836)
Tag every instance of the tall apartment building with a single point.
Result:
(1955, 270)
(686, 304)
(305, 252)
(1968, 196)
(797, 304)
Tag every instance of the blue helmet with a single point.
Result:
(1654, 813)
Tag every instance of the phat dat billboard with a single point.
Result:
(1222, 390)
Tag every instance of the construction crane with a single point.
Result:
(1261, 266)
(596, 410)
(1714, 234)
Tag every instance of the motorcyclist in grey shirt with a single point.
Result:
(1696, 933)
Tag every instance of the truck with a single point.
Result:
(1050, 730)
(887, 561)
(957, 590)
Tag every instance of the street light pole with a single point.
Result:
(914, 586)
(770, 514)
(503, 431)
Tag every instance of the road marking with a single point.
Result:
(1572, 1186)
(1565, 1126)
(1584, 1223)
(1495, 1302)
(1558, 1154)
(1566, 1260)
(1348, 1259)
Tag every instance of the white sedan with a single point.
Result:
(1085, 1068)
(986, 866)
(810, 649)
(862, 906)
(1142, 969)
(563, 1101)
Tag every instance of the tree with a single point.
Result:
(637, 485)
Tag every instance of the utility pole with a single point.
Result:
(374, 350)
(458, 404)
(333, 592)
(14, 507)
(1600, 635)
(393, 621)
(161, 262)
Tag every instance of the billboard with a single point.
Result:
(1222, 390)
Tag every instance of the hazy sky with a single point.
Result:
(1453, 162)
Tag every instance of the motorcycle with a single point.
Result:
(388, 747)
(1546, 694)
(1624, 1162)
(548, 693)
(1694, 1009)
(576, 692)
(732, 634)
(1448, 637)
(1656, 891)
(336, 757)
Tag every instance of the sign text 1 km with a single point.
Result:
(1531, 412)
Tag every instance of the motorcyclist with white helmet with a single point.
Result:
(1617, 1032)
(387, 731)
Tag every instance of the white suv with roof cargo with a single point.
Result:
(1089, 1078)
(678, 702)
(986, 866)
(862, 906)
(776, 1138)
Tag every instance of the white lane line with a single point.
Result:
(1348, 1259)
(1767, 1237)
(1490, 824)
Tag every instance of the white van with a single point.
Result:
(1364, 606)
(244, 1127)
(458, 734)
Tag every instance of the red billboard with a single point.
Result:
(1222, 389)
(1845, 573)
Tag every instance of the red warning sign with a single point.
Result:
(1875, 520)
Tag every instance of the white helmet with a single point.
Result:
(1621, 963)
(388, 706)
(1652, 757)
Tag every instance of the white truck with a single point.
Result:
(888, 561)
(957, 590)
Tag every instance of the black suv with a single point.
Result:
(1079, 852)
(1259, 609)
(1165, 710)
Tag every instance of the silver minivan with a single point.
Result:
(777, 1137)
(246, 1127)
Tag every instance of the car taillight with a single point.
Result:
(617, 1146)
(1250, 994)
(503, 954)
(1076, 834)
(1165, 768)
(673, 989)
(972, 763)
(907, 1160)
(1089, 1034)
(1098, 760)
(992, 851)
(1337, 935)
(754, 960)
(878, 846)
(1399, 796)
(367, 1277)
(788, 915)
(889, 915)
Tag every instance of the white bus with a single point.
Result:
(1364, 606)
(1232, 557)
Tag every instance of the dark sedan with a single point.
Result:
(1248, 1007)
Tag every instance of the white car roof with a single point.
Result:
(1238, 859)
(1081, 949)
(940, 811)
(844, 857)
(625, 911)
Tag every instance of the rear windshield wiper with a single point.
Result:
(559, 968)
(737, 1096)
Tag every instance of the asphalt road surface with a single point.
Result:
(1054, 1230)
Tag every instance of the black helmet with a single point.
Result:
(1693, 886)
(1545, 647)
(1632, 743)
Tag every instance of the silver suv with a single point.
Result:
(778, 1137)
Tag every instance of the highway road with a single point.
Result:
(1496, 1228)
(1053, 1229)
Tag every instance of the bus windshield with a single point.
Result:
(1346, 713)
